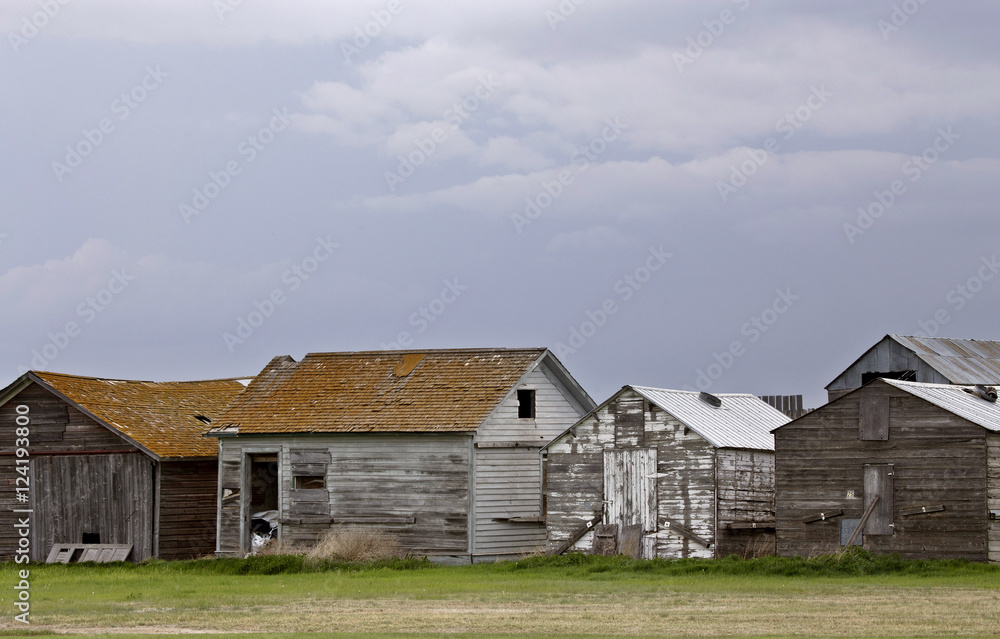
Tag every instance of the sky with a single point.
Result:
(729, 195)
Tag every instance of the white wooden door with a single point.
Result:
(630, 497)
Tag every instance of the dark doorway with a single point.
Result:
(263, 482)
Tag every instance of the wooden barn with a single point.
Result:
(934, 360)
(439, 448)
(664, 473)
(896, 467)
(111, 462)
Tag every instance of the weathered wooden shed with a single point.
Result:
(664, 473)
(439, 448)
(915, 466)
(112, 462)
(935, 360)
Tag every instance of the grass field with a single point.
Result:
(575, 596)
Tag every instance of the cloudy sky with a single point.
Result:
(733, 195)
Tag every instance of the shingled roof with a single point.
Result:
(159, 417)
(379, 391)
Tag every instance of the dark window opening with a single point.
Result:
(526, 403)
(91, 538)
(203, 419)
(906, 376)
(309, 482)
(263, 483)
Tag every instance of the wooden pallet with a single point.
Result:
(98, 553)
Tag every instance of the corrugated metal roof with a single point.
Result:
(378, 391)
(961, 361)
(955, 399)
(742, 421)
(159, 416)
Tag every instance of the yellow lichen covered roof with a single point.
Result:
(159, 416)
(378, 391)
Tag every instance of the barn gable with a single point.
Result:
(934, 360)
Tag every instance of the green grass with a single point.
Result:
(857, 594)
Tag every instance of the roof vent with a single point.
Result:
(710, 399)
(202, 418)
(989, 393)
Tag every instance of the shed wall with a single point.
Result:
(187, 509)
(372, 479)
(508, 474)
(937, 457)
(745, 480)
(993, 494)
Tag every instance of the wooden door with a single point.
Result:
(630, 499)
(878, 483)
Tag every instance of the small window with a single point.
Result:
(308, 482)
(526, 403)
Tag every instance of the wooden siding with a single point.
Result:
(574, 481)
(686, 485)
(937, 457)
(686, 482)
(993, 491)
(229, 498)
(74, 493)
(508, 485)
(187, 509)
(508, 474)
(386, 480)
(745, 495)
(110, 495)
(888, 355)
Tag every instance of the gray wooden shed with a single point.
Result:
(111, 461)
(664, 473)
(915, 466)
(935, 360)
(439, 448)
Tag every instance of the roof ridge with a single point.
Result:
(141, 381)
(433, 350)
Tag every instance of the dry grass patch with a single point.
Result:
(355, 544)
